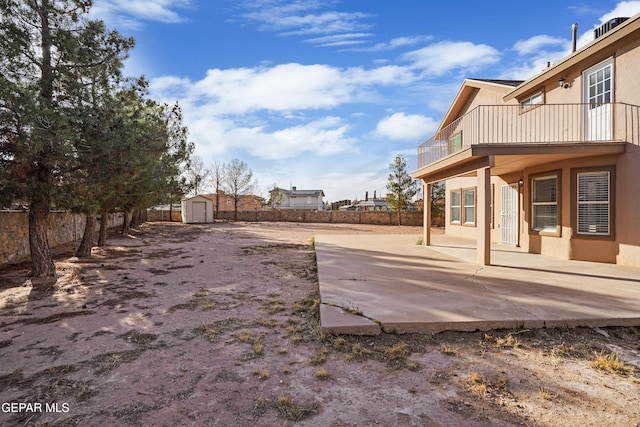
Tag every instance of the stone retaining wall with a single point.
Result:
(63, 227)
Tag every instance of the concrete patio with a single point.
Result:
(375, 283)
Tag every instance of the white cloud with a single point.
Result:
(339, 39)
(131, 13)
(302, 18)
(322, 137)
(442, 57)
(537, 43)
(410, 127)
(392, 44)
(281, 88)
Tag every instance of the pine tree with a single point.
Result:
(401, 187)
(48, 52)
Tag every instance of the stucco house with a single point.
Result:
(299, 199)
(551, 164)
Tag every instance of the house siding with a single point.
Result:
(623, 245)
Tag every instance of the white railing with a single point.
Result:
(542, 124)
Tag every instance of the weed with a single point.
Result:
(450, 350)
(208, 330)
(290, 410)
(322, 374)
(545, 394)
(420, 241)
(398, 352)
(477, 383)
(611, 363)
(413, 366)
(262, 374)
(507, 342)
(340, 344)
(274, 306)
(320, 357)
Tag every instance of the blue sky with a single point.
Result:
(323, 94)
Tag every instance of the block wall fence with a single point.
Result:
(63, 227)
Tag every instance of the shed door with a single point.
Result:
(199, 211)
(509, 214)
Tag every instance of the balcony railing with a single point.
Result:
(541, 124)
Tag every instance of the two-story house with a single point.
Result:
(298, 199)
(551, 164)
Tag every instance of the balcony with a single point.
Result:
(541, 124)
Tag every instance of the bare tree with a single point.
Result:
(238, 182)
(217, 180)
(197, 174)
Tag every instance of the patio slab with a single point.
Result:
(374, 283)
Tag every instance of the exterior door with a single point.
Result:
(598, 95)
(199, 211)
(509, 214)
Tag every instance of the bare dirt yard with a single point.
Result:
(217, 325)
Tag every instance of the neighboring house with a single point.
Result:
(299, 199)
(376, 204)
(197, 209)
(551, 164)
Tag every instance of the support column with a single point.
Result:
(426, 206)
(483, 216)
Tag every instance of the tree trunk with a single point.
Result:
(104, 225)
(135, 216)
(42, 264)
(126, 224)
(170, 212)
(235, 208)
(84, 250)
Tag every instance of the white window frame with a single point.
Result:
(532, 101)
(535, 203)
(466, 206)
(456, 219)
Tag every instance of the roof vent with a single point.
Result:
(608, 26)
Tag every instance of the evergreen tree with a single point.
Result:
(48, 51)
(401, 187)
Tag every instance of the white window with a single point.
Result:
(594, 203)
(532, 101)
(455, 207)
(598, 84)
(469, 197)
(544, 203)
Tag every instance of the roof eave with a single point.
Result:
(623, 30)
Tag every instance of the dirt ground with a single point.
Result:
(217, 325)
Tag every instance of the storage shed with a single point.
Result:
(197, 209)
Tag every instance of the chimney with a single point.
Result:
(574, 37)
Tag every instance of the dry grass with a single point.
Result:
(546, 394)
(322, 374)
(262, 374)
(450, 350)
(611, 363)
(286, 407)
(398, 352)
(209, 330)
